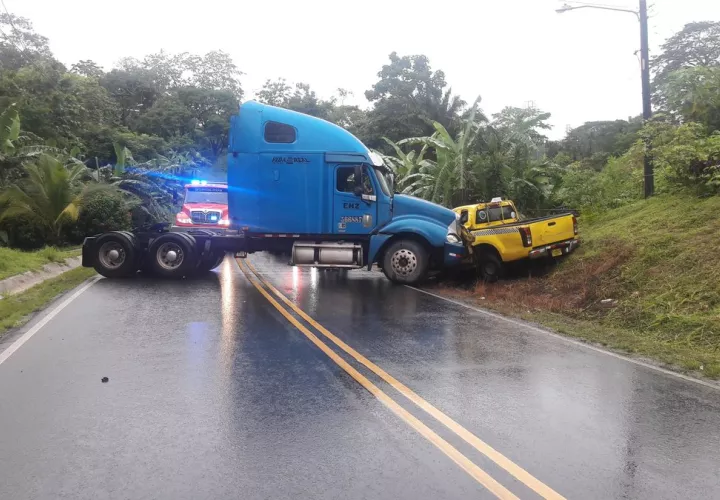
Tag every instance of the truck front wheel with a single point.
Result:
(115, 255)
(405, 262)
(172, 255)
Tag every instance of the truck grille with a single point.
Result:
(203, 217)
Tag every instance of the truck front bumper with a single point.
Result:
(455, 254)
(555, 250)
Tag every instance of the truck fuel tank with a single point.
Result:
(327, 254)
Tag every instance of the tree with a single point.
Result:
(697, 44)
(52, 195)
(274, 92)
(215, 71)
(87, 68)
(693, 94)
(407, 98)
(167, 71)
(201, 116)
(598, 140)
(59, 107)
(133, 91)
(300, 98)
(19, 44)
(685, 155)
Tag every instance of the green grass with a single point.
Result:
(659, 260)
(14, 309)
(14, 262)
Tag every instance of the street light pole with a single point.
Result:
(641, 13)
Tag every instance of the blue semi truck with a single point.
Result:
(300, 185)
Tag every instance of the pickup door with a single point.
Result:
(552, 230)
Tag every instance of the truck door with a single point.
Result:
(355, 200)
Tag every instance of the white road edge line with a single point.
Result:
(568, 340)
(32, 331)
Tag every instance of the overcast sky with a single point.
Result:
(578, 65)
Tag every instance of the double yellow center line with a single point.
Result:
(482, 477)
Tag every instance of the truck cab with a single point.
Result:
(205, 206)
(310, 186)
(300, 185)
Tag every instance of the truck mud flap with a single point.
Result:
(88, 258)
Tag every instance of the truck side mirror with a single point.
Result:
(358, 190)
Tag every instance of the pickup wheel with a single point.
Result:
(405, 262)
(490, 266)
(172, 255)
(115, 255)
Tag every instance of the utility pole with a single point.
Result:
(649, 177)
(641, 13)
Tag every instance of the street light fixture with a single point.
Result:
(641, 14)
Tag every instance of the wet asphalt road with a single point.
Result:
(212, 393)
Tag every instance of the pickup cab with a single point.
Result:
(500, 236)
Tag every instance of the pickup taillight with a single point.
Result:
(575, 229)
(525, 236)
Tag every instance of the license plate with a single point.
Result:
(557, 252)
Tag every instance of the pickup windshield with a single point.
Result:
(206, 195)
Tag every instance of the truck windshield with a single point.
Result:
(384, 181)
(206, 195)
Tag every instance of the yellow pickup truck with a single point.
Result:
(500, 236)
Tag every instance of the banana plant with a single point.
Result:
(9, 131)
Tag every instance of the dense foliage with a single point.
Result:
(135, 131)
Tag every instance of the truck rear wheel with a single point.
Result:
(405, 262)
(115, 255)
(172, 255)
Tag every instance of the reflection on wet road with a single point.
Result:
(218, 390)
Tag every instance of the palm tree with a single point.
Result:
(445, 108)
(53, 194)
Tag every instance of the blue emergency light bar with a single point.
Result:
(196, 182)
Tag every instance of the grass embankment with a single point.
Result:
(14, 262)
(14, 309)
(659, 264)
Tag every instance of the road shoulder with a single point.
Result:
(19, 309)
(610, 341)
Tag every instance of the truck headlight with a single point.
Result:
(453, 231)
